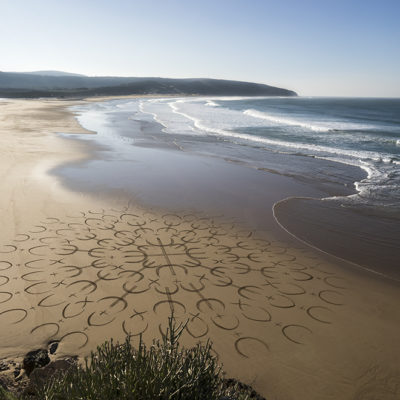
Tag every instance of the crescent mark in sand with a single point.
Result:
(315, 317)
(238, 341)
(226, 327)
(16, 309)
(133, 334)
(77, 333)
(64, 312)
(51, 305)
(47, 324)
(287, 336)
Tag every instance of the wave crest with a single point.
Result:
(285, 121)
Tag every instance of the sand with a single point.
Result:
(293, 323)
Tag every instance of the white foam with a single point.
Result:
(365, 160)
(201, 123)
(130, 105)
(155, 116)
(199, 116)
(285, 121)
(211, 103)
(201, 126)
(316, 126)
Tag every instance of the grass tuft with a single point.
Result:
(4, 395)
(164, 371)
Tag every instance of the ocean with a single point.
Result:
(346, 149)
(360, 132)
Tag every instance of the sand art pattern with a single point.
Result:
(114, 269)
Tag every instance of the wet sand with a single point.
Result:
(80, 266)
(369, 241)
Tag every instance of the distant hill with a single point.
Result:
(63, 84)
(53, 73)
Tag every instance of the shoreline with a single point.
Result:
(298, 237)
(373, 240)
(316, 190)
(81, 268)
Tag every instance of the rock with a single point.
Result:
(35, 359)
(42, 375)
(7, 385)
(12, 384)
(16, 372)
(242, 388)
(4, 366)
(53, 346)
(19, 377)
(4, 382)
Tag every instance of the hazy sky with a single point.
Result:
(315, 47)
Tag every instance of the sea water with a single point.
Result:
(363, 132)
(340, 158)
(279, 134)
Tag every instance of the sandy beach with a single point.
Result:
(81, 267)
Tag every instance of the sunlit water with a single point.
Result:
(358, 132)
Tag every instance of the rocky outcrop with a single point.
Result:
(35, 359)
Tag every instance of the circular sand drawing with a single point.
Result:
(116, 270)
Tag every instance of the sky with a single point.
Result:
(315, 47)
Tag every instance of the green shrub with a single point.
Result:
(163, 371)
(4, 395)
